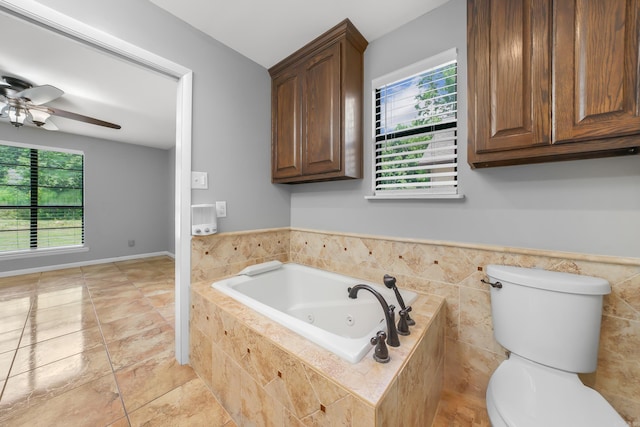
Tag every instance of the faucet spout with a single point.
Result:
(389, 315)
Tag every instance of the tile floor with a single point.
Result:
(94, 346)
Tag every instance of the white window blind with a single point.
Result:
(415, 117)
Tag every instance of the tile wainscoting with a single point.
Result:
(452, 271)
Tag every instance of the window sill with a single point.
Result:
(415, 196)
(43, 252)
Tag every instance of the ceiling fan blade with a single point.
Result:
(74, 116)
(49, 125)
(41, 94)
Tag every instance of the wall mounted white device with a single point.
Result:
(203, 220)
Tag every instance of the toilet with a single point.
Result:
(550, 323)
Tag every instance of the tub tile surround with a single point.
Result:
(240, 355)
(451, 271)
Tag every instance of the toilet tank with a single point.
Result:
(548, 317)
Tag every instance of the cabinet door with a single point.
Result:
(322, 111)
(286, 151)
(509, 74)
(595, 75)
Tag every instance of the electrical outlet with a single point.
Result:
(221, 209)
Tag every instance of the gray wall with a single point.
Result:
(586, 206)
(127, 197)
(231, 129)
(231, 108)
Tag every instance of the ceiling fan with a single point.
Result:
(20, 101)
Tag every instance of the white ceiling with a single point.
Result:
(143, 102)
(268, 31)
(95, 83)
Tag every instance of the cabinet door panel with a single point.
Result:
(509, 62)
(596, 69)
(286, 154)
(322, 112)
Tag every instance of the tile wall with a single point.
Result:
(241, 356)
(453, 271)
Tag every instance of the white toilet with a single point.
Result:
(550, 322)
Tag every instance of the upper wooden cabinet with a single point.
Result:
(552, 80)
(316, 109)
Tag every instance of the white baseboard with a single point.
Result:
(83, 263)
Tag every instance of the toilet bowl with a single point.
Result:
(525, 394)
(550, 323)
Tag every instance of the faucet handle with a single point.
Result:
(403, 324)
(381, 352)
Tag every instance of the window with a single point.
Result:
(415, 130)
(41, 198)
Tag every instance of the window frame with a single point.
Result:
(53, 250)
(404, 73)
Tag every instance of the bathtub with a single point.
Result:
(315, 304)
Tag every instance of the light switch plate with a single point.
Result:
(221, 209)
(199, 180)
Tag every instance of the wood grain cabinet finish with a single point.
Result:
(552, 80)
(316, 109)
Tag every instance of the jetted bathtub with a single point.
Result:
(315, 304)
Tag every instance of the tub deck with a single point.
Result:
(271, 354)
(315, 304)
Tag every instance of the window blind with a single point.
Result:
(41, 198)
(416, 129)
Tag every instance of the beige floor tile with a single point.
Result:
(11, 323)
(18, 281)
(143, 382)
(96, 403)
(191, 404)
(132, 325)
(64, 273)
(56, 297)
(35, 386)
(59, 283)
(155, 286)
(122, 422)
(157, 342)
(100, 270)
(14, 306)
(162, 299)
(79, 311)
(456, 410)
(9, 340)
(168, 312)
(45, 352)
(6, 359)
(105, 281)
(35, 331)
(116, 289)
(118, 298)
(109, 313)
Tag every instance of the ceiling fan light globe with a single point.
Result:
(17, 116)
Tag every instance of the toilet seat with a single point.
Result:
(526, 394)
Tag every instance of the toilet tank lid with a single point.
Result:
(549, 280)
